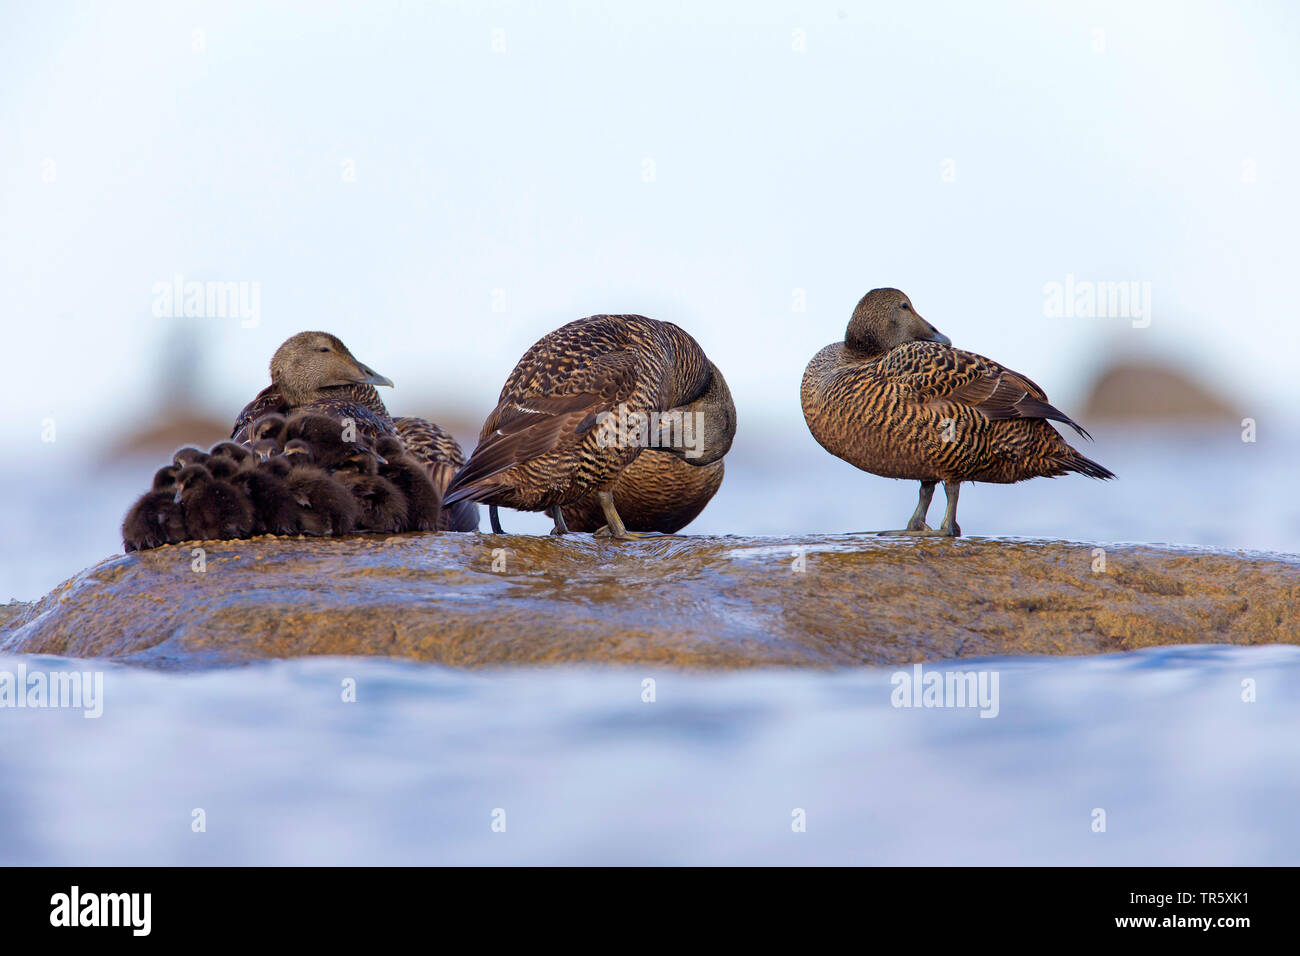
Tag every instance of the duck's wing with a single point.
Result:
(268, 400)
(526, 424)
(939, 375)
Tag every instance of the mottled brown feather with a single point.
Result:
(539, 447)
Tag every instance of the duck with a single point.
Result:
(424, 510)
(896, 399)
(577, 410)
(156, 518)
(213, 508)
(661, 493)
(381, 505)
(315, 371)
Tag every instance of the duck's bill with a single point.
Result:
(371, 377)
(937, 336)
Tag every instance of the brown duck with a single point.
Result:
(580, 407)
(897, 400)
(660, 492)
(315, 371)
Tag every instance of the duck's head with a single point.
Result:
(700, 433)
(311, 361)
(191, 477)
(884, 320)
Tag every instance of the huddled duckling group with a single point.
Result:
(615, 424)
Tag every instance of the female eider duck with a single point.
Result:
(660, 492)
(315, 372)
(897, 400)
(580, 406)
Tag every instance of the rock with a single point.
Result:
(1136, 391)
(475, 600)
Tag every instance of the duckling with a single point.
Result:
(213, 508)
(265, 448)
(275, 508)
(326, 437)
(897, 400)
(239, 454)
(222, 467)
(155, 519)
(327, 506)
(189, 455)
(268, 426)
(578, 409)
(411, 477)
(382, 506)
(315, 370)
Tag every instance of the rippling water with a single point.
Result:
(711, 771)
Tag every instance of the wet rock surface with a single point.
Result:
(473, 600)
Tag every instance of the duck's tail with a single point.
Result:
(1085, 466)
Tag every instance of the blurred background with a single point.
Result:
(1098, 195)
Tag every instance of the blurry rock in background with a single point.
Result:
(1141, 390)
(177, 413)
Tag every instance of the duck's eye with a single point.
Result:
(906, 306)
(322, 350)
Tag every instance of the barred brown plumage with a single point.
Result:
(540, 448)
(897, 400)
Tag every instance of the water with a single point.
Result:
(714, 768)
(710, 772)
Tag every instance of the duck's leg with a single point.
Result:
(495, 519)
(614, 526)
(557, 515)
(917, 525)
(950, 526)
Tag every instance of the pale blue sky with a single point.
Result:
(523, 171)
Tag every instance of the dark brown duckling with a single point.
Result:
(155, 519)
(222, 467)
(423, 502)
(214, 509)
(275, 508)
(327, 438)
(265, 448)
(327, 506)
(164, 479)
(315, 371)
(897, 400)
(548, 442)
(268, 426)
(382, 505)
(438, 451)
(189, 455)
(239, 454)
